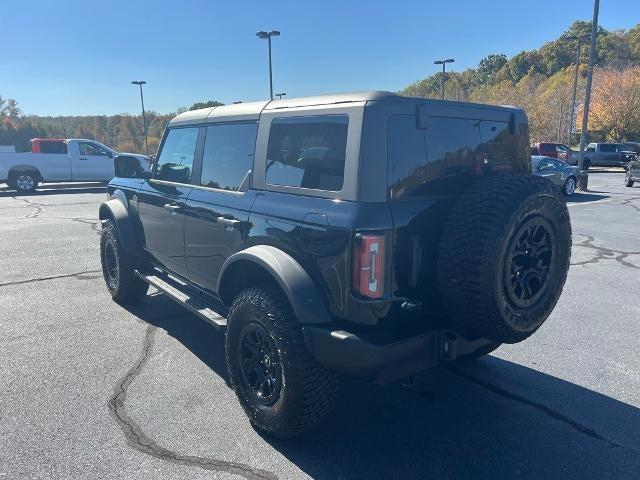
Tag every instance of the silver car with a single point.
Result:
(560, 173)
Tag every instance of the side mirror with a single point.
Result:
(125, 166)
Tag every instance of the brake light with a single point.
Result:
(368, 265)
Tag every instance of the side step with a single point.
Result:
(183, 294)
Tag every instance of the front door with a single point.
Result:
(217, 213)
(162, 199)
(93, 163)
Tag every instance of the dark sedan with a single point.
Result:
(560, 173)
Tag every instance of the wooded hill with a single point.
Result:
(541, 82)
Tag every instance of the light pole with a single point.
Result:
(444, 65)
(575, 86)
(144, 119)
(280, 95)
(584, 178)
(267, 35)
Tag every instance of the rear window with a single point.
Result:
(425, 162)
(307, 152)
(53, 147)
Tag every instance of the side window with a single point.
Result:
(228, 156)
(307, 152)
(407, 157)
(607, 148)
(176, 157)
(53, 147)
(591, 148)
(87, 148)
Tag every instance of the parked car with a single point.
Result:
(560, 173)
(367, 233)
(60, 160)
(607, 155)
(555, 150)
(632, 174)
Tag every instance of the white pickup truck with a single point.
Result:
(61, 160)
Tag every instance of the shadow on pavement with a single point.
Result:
(56, 189)
(453, 424)
(582, 197)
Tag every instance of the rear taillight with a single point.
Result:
(368, 265)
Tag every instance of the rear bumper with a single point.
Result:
(382, 356)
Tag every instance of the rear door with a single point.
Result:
(91, 163)
(162, 198)
(217, 211)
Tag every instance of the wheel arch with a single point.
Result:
(115, 211)
(264, 263)
(14, 170)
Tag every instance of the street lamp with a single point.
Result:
(144, 120)
(444, 65)
(267, 35)
(280, 95)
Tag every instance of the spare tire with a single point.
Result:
(503, 257)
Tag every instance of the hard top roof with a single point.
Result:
(252, 110)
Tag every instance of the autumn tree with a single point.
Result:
(615, 104)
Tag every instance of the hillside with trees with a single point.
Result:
(541, 82)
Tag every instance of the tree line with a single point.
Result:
(123, 133)
(541, 82)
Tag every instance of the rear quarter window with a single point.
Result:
(307, 152)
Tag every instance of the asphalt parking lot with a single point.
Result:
(90, 389)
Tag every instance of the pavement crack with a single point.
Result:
(538, 406)
(602, 253)
(137, 439)
(53, 277)
(96, 225)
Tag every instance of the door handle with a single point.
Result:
(228, 222)
(172, 209)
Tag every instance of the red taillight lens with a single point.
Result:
(368, 265)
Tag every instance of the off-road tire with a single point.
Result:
(307, 391)
(627, 178)
(586, 164)
(122, 282)
(500, 223)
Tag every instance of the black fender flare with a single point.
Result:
(302, 293)
(115, 210)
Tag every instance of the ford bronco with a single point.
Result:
(367, 234)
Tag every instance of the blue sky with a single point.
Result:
(73, 57)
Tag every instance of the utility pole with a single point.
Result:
(572, 112)
(444, 64)
(267, 35)
(584, 178)
(144, 119)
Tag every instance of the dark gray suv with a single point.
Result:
(367, 234)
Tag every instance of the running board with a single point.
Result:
(185, 298)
